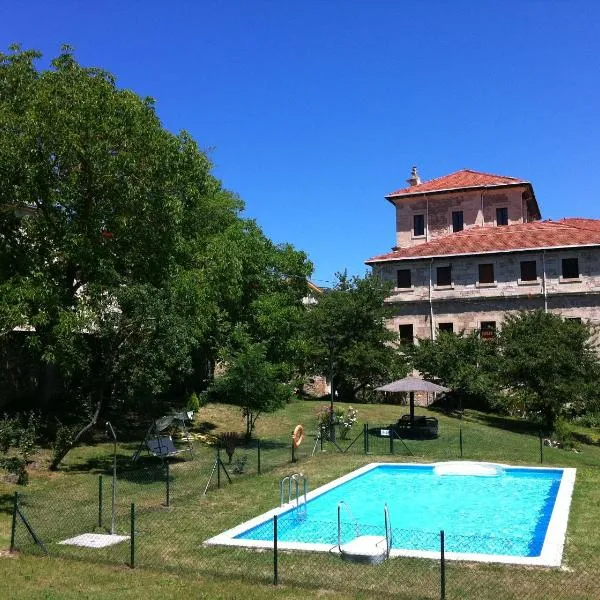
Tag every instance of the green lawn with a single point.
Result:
(169, 539)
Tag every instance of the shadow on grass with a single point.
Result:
(100, 465)
(6, 503)
(252, 444)
(502, 422)
(203, 427)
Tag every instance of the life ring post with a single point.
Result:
(297, 439)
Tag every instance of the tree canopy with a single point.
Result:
(541, 367)
(550, 365)
(463, 362)
(346, 332)
(121, 254)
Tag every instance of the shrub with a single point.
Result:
(239, 466)
(589, 420)
(323, 416)
(16, 466)
(346, 421)
(63, 442)
(8, 432)
(28, 436)
(563, 433)
(193, 403)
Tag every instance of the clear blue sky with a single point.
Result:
(313, 110)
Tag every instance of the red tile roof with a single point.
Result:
(522, 236)
(465, 178)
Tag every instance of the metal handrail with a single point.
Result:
(388, 523)
(388, 527)
(339, 524)
(294, 478)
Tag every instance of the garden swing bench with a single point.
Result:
(158, 440)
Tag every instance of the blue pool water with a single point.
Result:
(507, 514)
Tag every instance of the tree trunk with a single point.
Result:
(62, 452)
(248, 425)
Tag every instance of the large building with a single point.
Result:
(471, 247)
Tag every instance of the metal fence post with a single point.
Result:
(13, 529)
(367, 438)
(168, 503)
(442, 567)
(100, 500)
(258, 454)
(132, 538)
(275, 565)
(460, 440)
(219, 468)
(541, 447)
(391, 441)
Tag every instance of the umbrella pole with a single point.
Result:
(412, 407)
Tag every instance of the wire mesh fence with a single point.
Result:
(159, 515)
(173, 538)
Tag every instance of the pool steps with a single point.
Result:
(366, 549)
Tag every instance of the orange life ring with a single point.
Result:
(298, 436)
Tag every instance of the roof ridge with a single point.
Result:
(417, 189)
(491, 174)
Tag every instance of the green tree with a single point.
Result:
(250, 381)
(345, 332)
(118, 245)
(258, 284)
(464, 363)
(549, 364)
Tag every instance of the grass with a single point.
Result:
(169, 540)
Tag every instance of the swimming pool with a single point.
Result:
(489, 512)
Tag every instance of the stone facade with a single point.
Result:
(474, 290)
(478, 209)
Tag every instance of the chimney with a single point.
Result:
(414, 178)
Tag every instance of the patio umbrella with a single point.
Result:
(412, 385)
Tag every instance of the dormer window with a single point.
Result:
(457, 220)
(418, 225)
(501, 216)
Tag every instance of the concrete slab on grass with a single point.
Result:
(95, 540)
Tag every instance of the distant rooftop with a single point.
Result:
(463, 179)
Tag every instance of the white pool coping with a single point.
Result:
(552, 548)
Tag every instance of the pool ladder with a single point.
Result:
(293, 484)
(367, 557)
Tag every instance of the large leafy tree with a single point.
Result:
(465, 363)
(259, 287)
(119, 250)
(549, 364)
(345, 333)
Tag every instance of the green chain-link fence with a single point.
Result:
(179, 505)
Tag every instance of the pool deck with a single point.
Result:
(550, 556)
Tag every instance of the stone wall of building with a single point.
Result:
(468, 315)
(466, 303)
(507, 272)
(479, 209)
